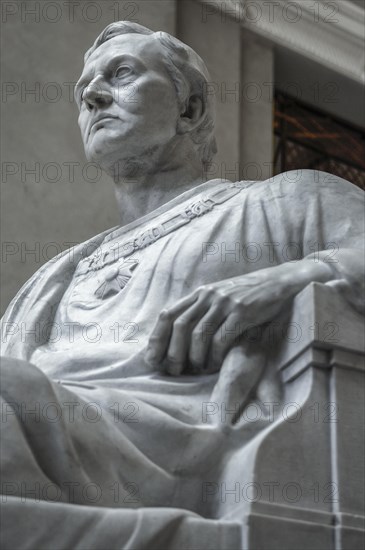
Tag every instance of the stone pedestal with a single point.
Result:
(309, 464)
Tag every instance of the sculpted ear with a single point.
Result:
(192, 115)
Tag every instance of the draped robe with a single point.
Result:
(116, 453)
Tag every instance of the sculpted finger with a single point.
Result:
(159, 339)
(178, 348)
(183, 304)
(160, 336)
(202, 336)
(228, 335)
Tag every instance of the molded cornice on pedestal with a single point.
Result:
(328, 32)
(325, 334)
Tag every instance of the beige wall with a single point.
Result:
(217, 41)
(239, 64)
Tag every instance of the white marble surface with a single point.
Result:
(132, 360)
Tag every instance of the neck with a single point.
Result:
(139, 195)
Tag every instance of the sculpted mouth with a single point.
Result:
(101, 121)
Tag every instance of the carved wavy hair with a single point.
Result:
(188, 73)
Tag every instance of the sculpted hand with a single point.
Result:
(197, 332)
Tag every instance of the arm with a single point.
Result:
(348, 274)
(196, 334)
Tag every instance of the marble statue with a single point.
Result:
(118, 352)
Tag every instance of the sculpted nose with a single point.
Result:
(96, 95)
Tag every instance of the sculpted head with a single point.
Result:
(143, 100)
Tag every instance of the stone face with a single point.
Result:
(192, 377)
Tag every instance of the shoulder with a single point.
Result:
(312, 180)
(305, 183)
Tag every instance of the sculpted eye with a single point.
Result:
(122, 71)
(80, 95)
